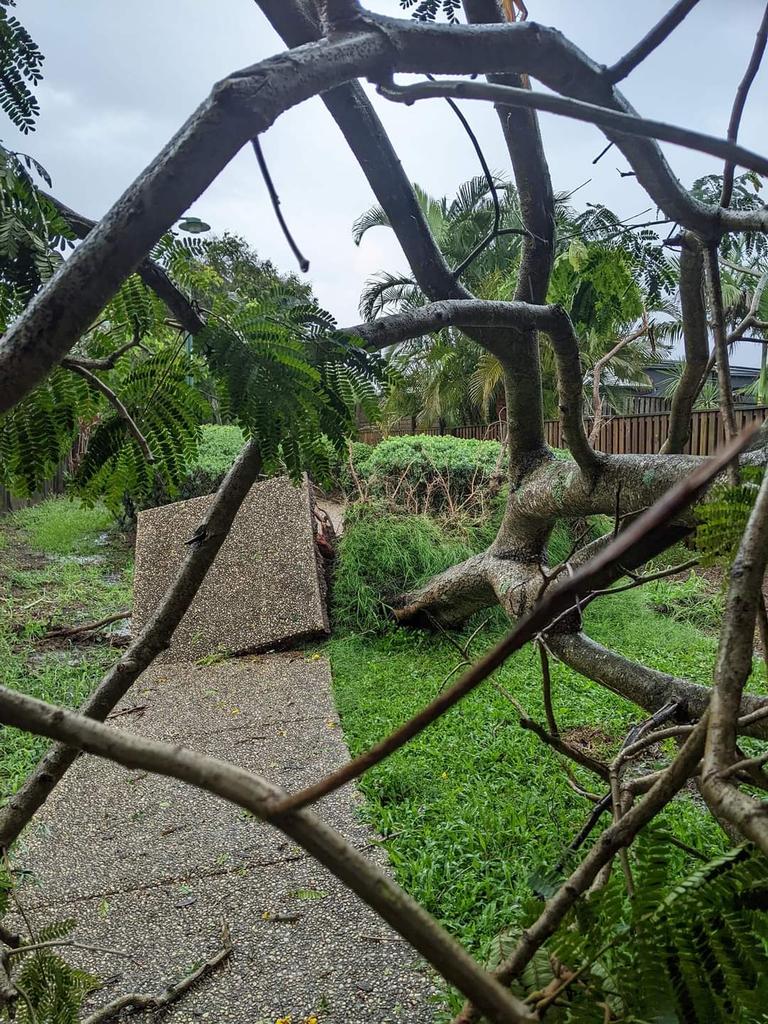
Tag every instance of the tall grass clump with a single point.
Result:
(382, 553)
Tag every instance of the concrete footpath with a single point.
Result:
(152, 867)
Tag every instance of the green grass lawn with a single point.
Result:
(60, 564)
(475, 804)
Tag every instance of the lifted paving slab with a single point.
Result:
(265, 587)
(149, 865)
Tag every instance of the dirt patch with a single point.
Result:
(589, 739)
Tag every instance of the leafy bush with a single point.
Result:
(691, 600)
(219, 447)
(424, 474)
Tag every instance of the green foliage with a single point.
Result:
(33, 235)
(381, 554)
(161, 394)
(20, 68)
(62, 526)
(684, 950)
(691, 600)
(428, 10)
(722, 519)
(596, 285)
(425, 473)
(291, 381)
(39, 432)
(50, 990)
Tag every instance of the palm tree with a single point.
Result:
(604, 275)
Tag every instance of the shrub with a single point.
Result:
(424, 474)
(218, 449)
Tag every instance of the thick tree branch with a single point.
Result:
(696, 342)
(522, 371)
(74, 366)
(660, 31)
(717, 314)
(257, 795)
(151, 273)
(732, 669)
(246, 103)
(463, 313)
(739, 103)
(154, 638)
(646, 687)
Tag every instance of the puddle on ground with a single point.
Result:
(84, 559)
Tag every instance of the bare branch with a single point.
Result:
(715, 297)
(275, 200)
(739, 103)
(661, 31)
(732, 668)
(646, 687)
(248, 101)
(696, 341)
(98, 385)
(107, 363)
(136, 1001)
(86, 627)
(257, 795)
(604, 117)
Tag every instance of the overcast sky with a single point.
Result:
(121, 77)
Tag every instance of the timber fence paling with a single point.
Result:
(641, 434)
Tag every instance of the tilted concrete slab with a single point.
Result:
(265, 587)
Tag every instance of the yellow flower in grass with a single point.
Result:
(284, 1020)
(311, 1019)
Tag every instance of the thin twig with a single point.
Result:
(739, 103)
(87, 627)
(275, 199)
(546, 689)
(98, 385)
(663, 28)
(137, 1001)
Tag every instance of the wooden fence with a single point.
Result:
(629, 435)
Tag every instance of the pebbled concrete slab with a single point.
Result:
(264, 588)
(148, 865)
(303, 946)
